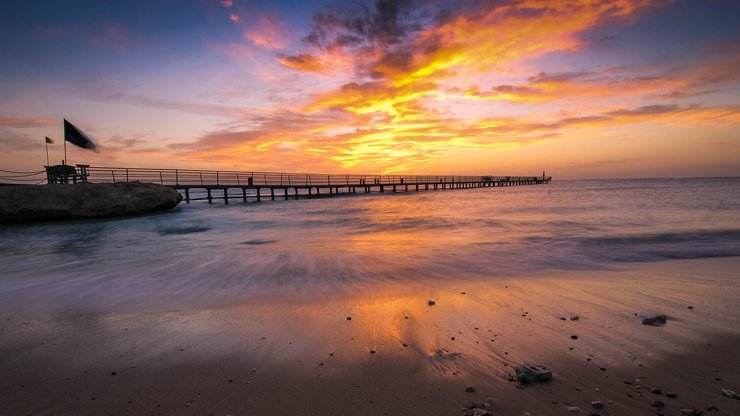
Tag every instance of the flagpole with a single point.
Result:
(64, 139)
(47, 151)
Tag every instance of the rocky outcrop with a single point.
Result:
(57, 202)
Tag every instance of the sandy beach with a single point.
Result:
(386, 351)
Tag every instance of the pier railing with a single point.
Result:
(190, 177)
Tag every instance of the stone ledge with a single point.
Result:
(58, 202)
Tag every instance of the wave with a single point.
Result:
(663, 246)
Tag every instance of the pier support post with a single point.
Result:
(210, 200)
(226, 195)
(259, 198)
(272, 194)
(244, 194)
(187, 195)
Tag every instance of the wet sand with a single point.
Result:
(398, 355)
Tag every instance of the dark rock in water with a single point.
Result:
(431, 302)
(597, 405)
(574, 318)
(470, 389)
(657, 403)
(58, 202)
(574, 337)
(526, 374)
(671, 395)
(656, 390)
(655, 320)
(691, 412)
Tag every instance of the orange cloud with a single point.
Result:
(234, 18)
(411, 89)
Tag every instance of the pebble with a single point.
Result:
(574, 318)
(575, 409)
(692, 412)
(657, 403)
(671, 395)
(372, 351)
(729, 393)
(657, 320)
(597, 405)
(470, 389)
(574, 337)
(431, 302)
(349, 318)
(113, 373)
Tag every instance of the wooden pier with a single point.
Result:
(257, 186)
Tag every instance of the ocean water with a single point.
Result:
(202, 255)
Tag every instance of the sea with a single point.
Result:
(202, 255)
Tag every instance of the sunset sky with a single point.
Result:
(581, 89)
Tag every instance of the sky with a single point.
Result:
(580, 89)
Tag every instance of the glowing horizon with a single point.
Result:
(627, 88)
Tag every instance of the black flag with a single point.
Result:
(73, 135)
(49, 141)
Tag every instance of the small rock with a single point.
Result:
(113, 373)
(527, 374)
(431, 302)
(574, 318)
(562, 318)
(692, 412)
(671, 395)
(349, 318)
(470, 389)
(729, 393)
(690, 307)
(656, 390)
(657, 403)
(574, 337)
(658, 320)
(372, 351)
(597, 405)
(574, 409)
(712, 409)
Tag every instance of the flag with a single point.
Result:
(49, 141)
(73, 135)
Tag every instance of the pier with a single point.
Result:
(226, 186)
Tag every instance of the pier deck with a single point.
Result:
(256, 186)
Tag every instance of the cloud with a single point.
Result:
(227, 3)
(29, 122)
(304, 62)
(410, 84)
(268, 33)
(234, 17)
